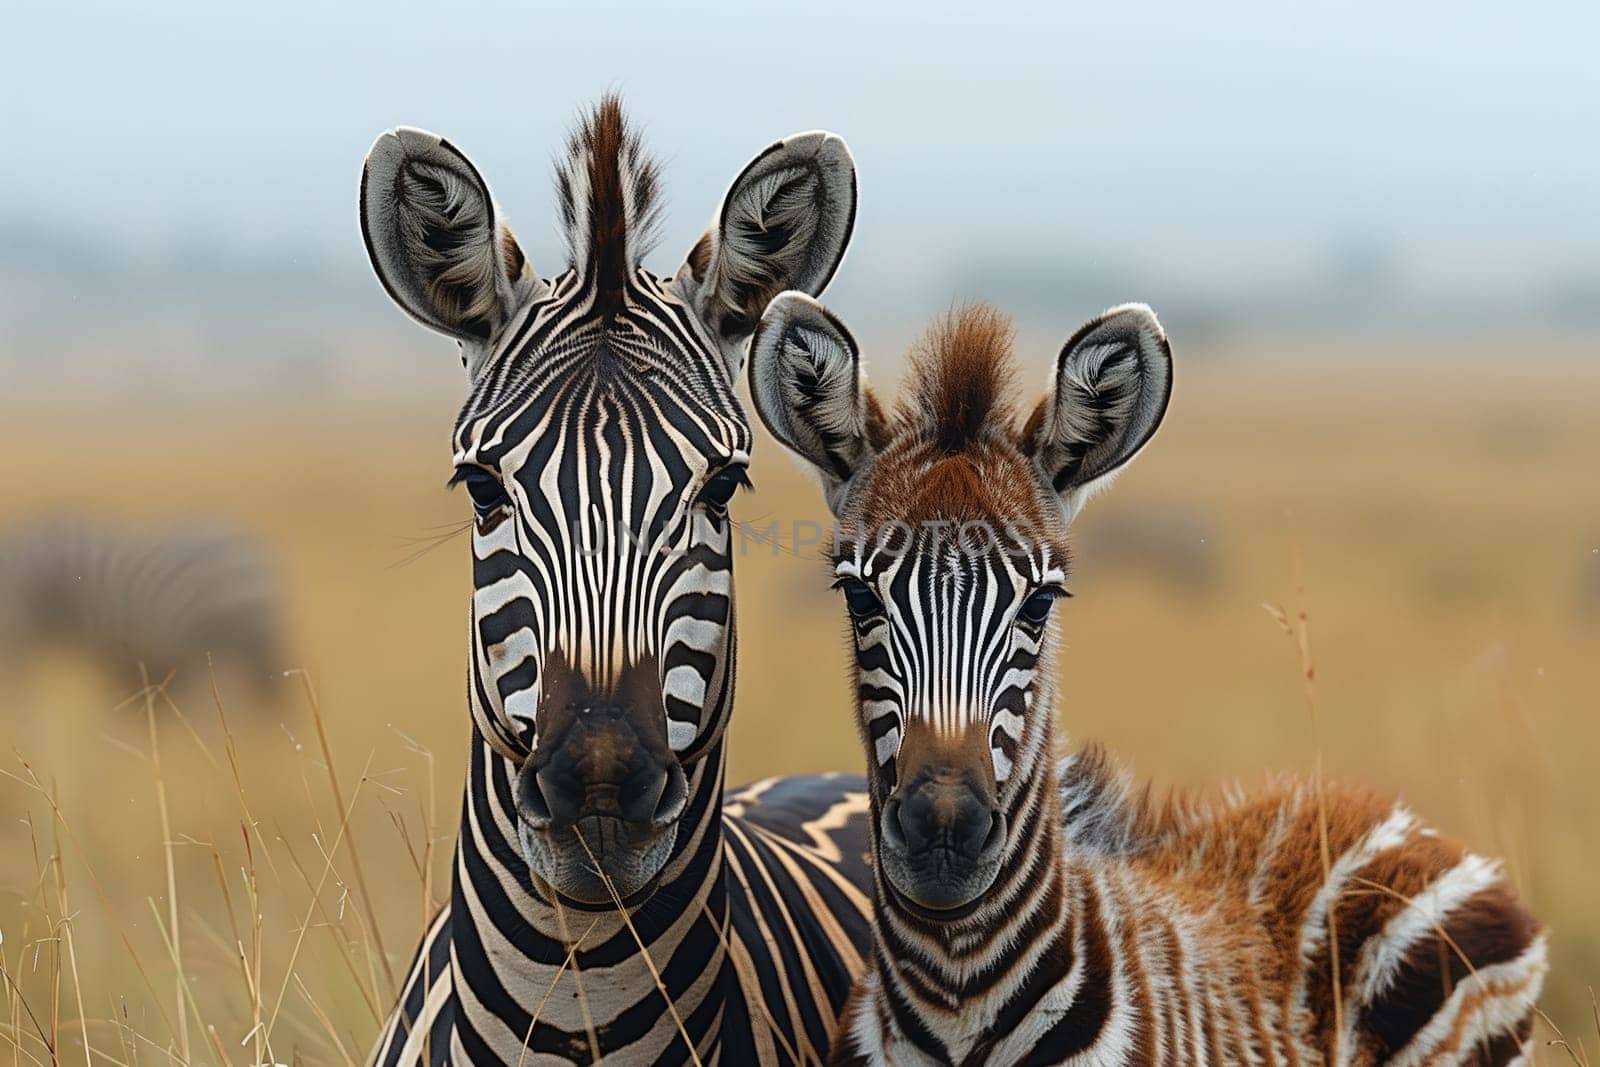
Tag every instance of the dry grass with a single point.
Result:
(198, 880)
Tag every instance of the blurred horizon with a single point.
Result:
(186, 195)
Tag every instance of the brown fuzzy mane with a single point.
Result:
(622, 198)
(961, 373)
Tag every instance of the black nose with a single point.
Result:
(944, 811)
(601, 767)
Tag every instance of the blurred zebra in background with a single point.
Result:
(160, 598)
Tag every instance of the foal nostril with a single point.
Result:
(970, 828)
(894, 834)
(919, 825)
(948, 815)
(996, 838)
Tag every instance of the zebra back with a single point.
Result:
(157, 598)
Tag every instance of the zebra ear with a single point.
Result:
(808, 388)
(435, 239)
(1110, 389)
(784, 224)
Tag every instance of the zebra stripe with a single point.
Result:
(1152, 955)
(604, 545)
(1113, 931)
(601, 411)
(764, 908)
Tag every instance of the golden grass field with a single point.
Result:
(177, 890)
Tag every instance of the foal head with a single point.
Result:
(951, 551)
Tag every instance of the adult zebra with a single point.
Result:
(598, 863)
(145, 603)
(1030, 915)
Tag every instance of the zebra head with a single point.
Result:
(950, 551)
(600, 443)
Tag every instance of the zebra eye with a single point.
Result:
(488, 495)
(720, 487)
(1036, 609)
(859, 599)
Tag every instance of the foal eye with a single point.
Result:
(859, 599)
(1036, 609)
(720, 487)
(488, 495)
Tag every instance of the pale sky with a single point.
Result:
(1235, 140)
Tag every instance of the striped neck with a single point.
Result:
(956, 988)
(517, 980)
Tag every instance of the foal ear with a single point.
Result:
(1110, 389)
(808, 388)
(783, 224)
(436, 240)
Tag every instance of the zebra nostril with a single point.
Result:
(893, 833)
(674, 797)
(997, 836)
(532, 807)
(943, 815)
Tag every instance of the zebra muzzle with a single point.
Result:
(602, 753)
(941, 839)
(601, 771)
(599, 800)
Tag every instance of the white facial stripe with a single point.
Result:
(507, 654)
(1008, 722)
(950, 652)
(567, 570)
(888, 746)
(680, 735)
(523, 705)
(685, 683)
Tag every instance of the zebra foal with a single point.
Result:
(1026, 914)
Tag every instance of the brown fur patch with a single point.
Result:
(1028, 437)
(607, 249)
(960, 374)
(914, 483)
(879, 431)
(950, 452)
(607, 214)
(1490, 927)
(961, 755)
(700, 257)
(512, 252)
